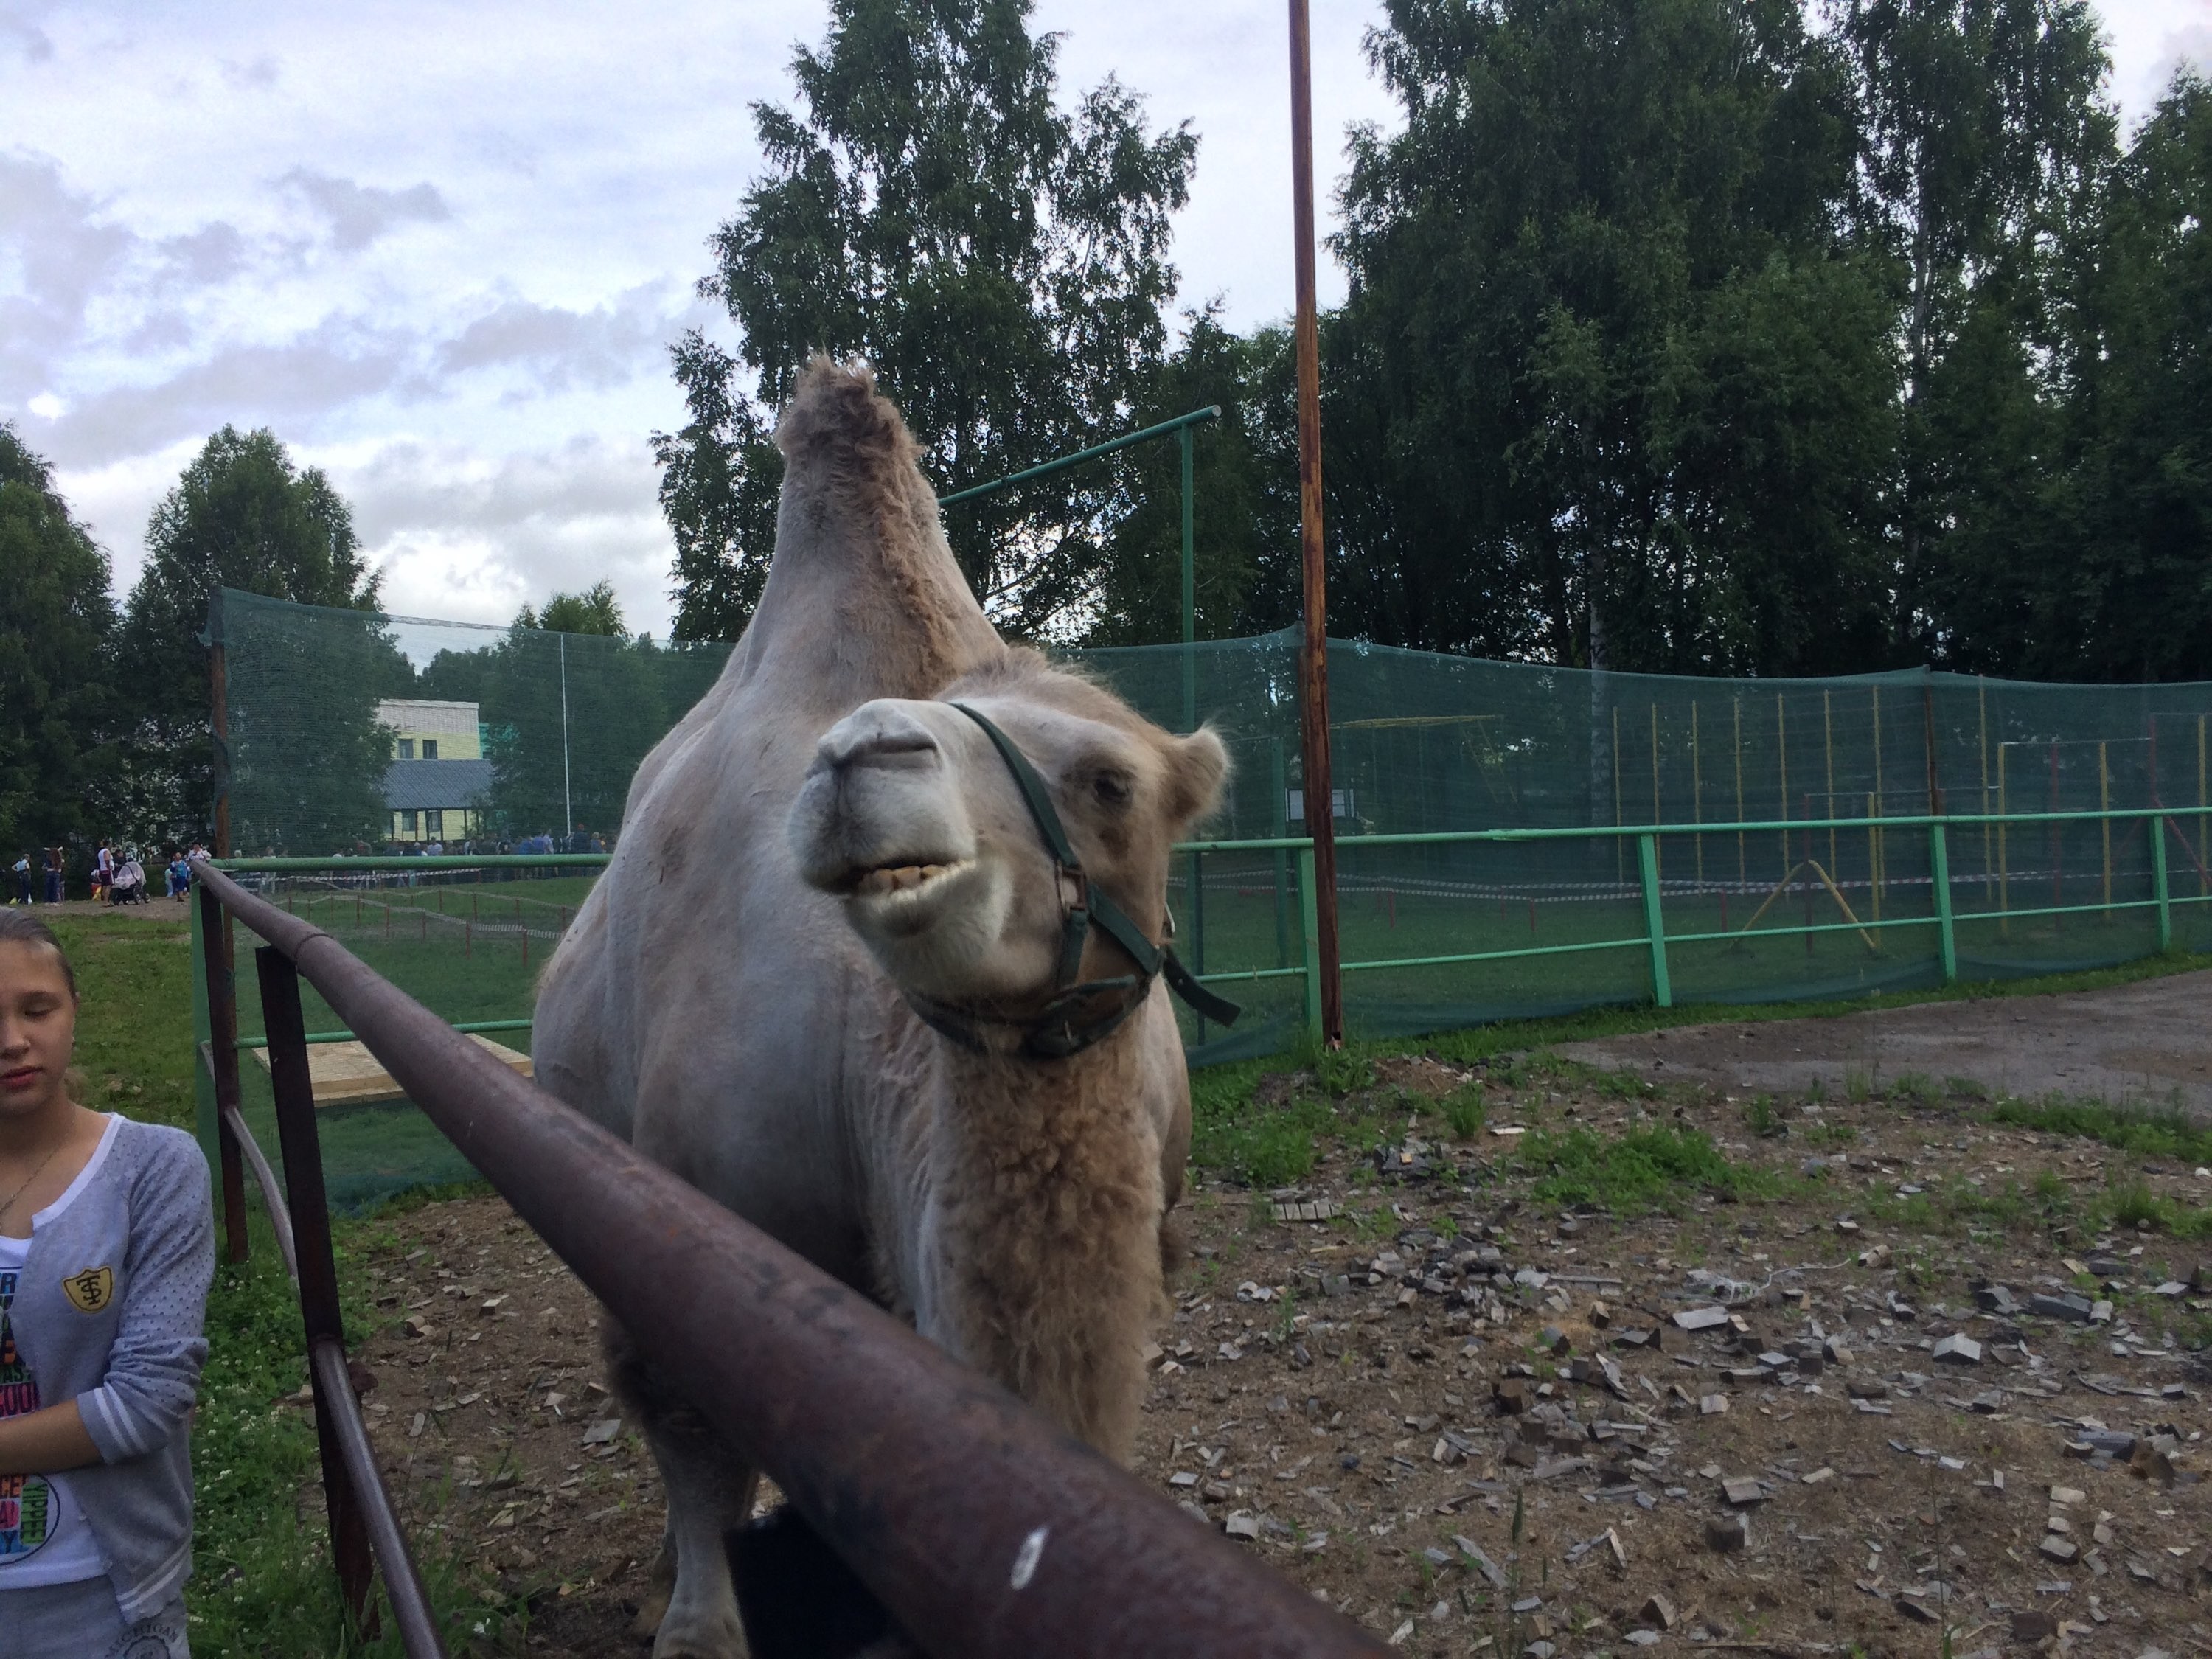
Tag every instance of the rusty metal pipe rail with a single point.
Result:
(272, 1196)
(326, 1367)
(403, 1586)
(986, 1531)
(365, 1530)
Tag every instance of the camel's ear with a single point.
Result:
(1198, 766)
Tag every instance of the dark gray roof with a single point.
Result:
(436, 785)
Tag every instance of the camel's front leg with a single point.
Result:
(710, 1492)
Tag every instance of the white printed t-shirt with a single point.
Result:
(44, 1539)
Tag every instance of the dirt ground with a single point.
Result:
(1479, 1426)
(157, 907)
(2150, 1042)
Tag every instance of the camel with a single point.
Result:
(837, 975)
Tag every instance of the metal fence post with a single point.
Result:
(221, 1060)
(1939, 867)
(1310, 918)
(1647, 868)
(319, 1273)
(2158, 884)
(1198, 919)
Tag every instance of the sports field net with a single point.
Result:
(467, 943)
(1423, 744)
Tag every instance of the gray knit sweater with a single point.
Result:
(107, 1312)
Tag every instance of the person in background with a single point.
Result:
(103, 872)
(22, 870)
(54, 868)
(106, 1252)
(181, 875)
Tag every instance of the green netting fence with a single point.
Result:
(1512, 838)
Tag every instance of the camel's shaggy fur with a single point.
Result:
(819, 838)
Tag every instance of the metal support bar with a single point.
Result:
(1198, 925)
(464, 1026)
(1185, 440)
(1044, 469)
(1309, 920)
(272, 1195)
(403, 1587)
(318, 1269)
(2158, 884)
(222, 1065)
(1647, 867)
(1939, 867)
(1313, 548)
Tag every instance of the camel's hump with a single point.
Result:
(836, 413)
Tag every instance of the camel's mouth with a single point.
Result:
(902, 883)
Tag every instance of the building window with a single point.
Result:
(437, 817)
(398, 826)
(429, 748)
(407, 749)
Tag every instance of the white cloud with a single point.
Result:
(599, 347)
(459, 537)
(288, 384)
(57, 250)
(358, 214)
(212, 254)
(440, 249)
(24, 38)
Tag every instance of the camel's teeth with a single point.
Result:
(902, 878)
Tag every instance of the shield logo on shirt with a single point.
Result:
(90, 1289)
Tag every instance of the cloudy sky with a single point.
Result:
(441, 249)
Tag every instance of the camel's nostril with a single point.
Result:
(887, 737)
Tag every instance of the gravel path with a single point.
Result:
(2150, 1042)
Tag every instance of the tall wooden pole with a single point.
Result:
(1313, 653)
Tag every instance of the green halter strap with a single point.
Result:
(1055, 1035)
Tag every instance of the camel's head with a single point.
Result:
(913, 818)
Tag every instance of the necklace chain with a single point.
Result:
(28, 1179)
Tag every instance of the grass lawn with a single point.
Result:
(263, 1585)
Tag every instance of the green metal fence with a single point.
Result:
(1657, 946)
(464, 935)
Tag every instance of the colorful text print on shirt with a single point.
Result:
(90, 1289)
(26, 1501)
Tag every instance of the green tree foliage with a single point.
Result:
(242, 516)
(1606, 389)
(2114, 579)
(1002, 262)
(1984, 142)
(308, 758)
(720, 474)
(568, 715)
(1245, 510)
(55, 620)
(594, 611)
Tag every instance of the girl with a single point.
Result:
(106, 1250)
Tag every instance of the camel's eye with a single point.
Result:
(1111, 789)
